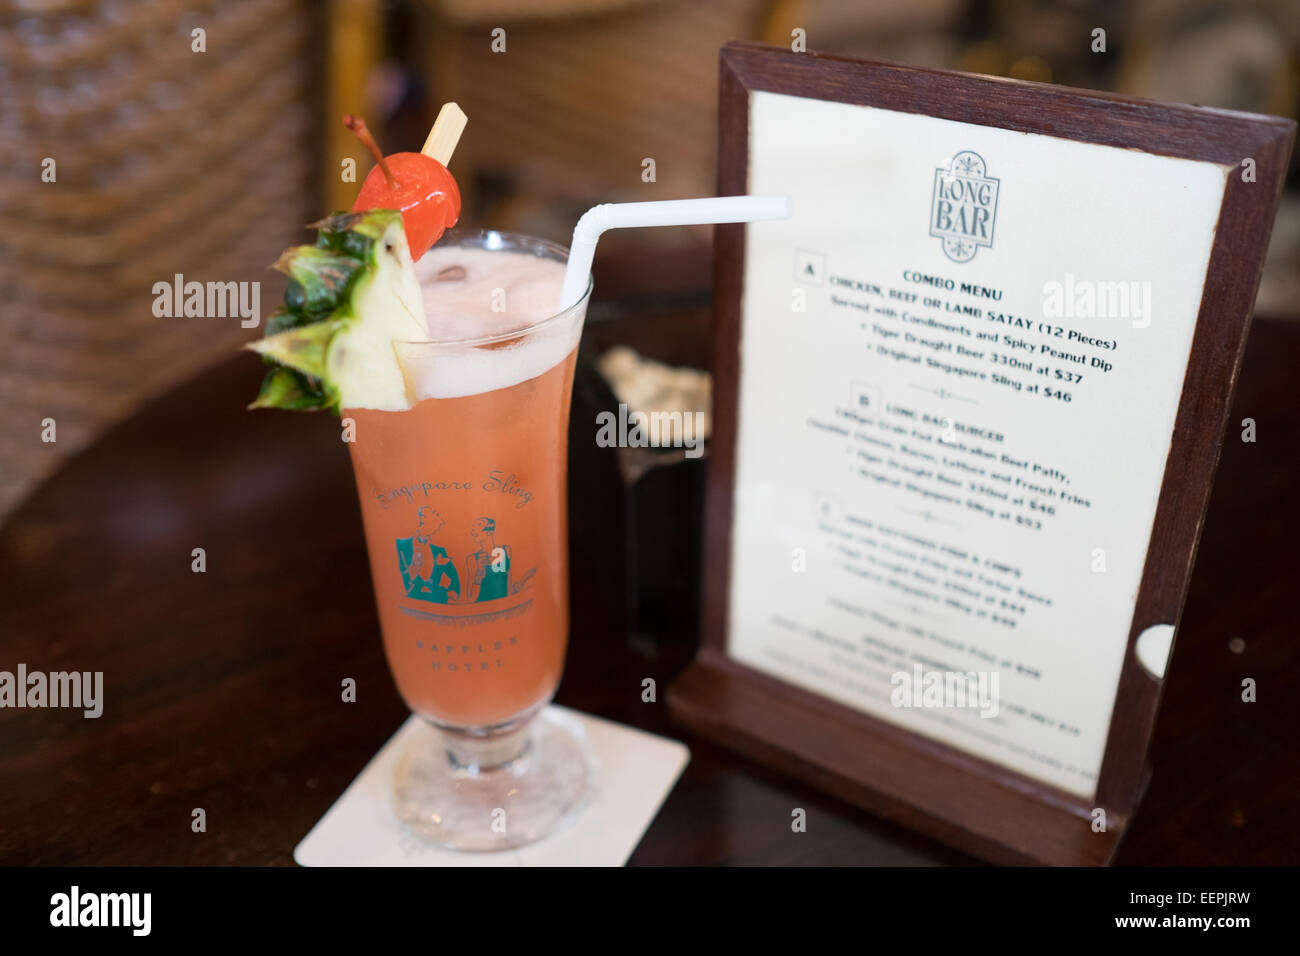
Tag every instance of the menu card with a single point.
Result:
(960, 365)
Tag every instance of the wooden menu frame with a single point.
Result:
(975, 805)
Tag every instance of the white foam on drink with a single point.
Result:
(498, 293)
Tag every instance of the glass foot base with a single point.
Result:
(494, 794)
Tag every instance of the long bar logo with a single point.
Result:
(964, 207)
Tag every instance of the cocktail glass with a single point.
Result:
(466, 521)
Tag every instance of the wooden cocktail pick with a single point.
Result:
(445, 133)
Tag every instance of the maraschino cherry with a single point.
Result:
(418, 185)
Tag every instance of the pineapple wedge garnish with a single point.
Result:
(350, 298)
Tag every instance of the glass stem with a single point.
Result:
(477, 754)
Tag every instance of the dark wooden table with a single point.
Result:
(222, 688)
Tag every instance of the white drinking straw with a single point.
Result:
(672, 212)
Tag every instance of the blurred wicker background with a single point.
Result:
(166, 161)
(207, 164)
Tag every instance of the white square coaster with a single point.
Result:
(634, 771)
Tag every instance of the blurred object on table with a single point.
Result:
(166, 159)
(661, 485)
(672, 405)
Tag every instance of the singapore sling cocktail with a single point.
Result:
(452, 371)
